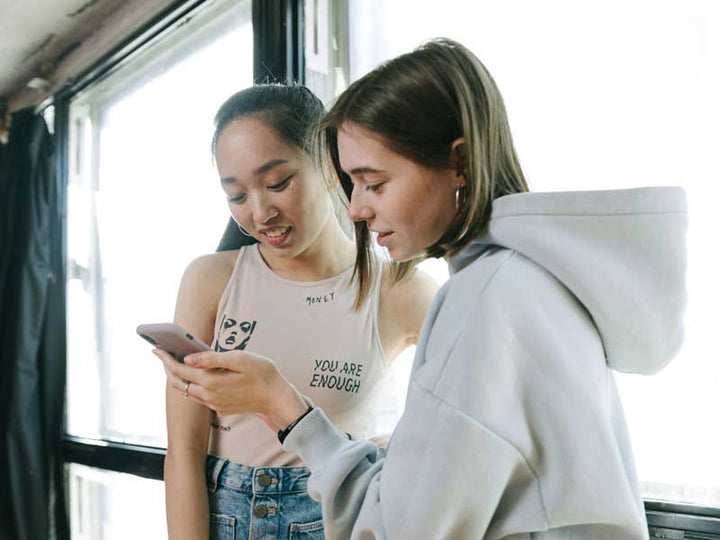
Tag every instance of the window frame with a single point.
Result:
(278, 30)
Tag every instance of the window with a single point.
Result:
(101, 502)
(143, 201)
(604, 96)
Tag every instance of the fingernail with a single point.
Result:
(191, 360)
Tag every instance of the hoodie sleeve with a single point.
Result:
(424, 487)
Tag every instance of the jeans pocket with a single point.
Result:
(222, 527)
(315, 530)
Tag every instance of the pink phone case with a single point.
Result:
(171, 338)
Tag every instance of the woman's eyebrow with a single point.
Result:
(262, 169)
(365, 170)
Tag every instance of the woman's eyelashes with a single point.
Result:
(237, 199)
(280, 186)
(374, 187)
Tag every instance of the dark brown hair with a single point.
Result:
(291, 110)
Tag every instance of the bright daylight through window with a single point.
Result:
(143, 201)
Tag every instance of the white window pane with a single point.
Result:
(149, 202)
(106, 505)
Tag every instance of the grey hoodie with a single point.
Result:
(513, 427)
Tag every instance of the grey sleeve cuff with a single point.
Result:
(315, 440)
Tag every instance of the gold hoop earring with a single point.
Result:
(460, 198)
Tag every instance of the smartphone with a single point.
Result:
(171, 338)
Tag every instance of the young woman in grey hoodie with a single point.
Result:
(513, 426)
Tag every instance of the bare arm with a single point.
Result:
(188, 423)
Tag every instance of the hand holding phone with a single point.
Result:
(172, 338)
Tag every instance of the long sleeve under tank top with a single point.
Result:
(331, 353)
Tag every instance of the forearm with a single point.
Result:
(367, 493)
(186, 497)
(286, 406)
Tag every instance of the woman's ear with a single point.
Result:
(458, 158)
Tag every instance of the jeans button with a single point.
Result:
(260, 511)
(265, 480)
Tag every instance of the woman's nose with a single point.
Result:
(359, 209)
(263, 209)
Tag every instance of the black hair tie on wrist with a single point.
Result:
(282, 434)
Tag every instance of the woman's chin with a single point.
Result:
(400, 255)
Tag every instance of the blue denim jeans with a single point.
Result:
(261, 503)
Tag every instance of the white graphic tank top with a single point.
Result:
(330, 353)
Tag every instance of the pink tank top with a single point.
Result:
(332, 354)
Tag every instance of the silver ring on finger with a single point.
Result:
(187, 387)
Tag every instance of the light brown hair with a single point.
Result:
(418, 105)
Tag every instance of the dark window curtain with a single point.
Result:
(32, 335)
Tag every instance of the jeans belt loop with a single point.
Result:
(219, 464)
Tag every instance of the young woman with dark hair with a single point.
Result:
(513, 426)
(292, 296)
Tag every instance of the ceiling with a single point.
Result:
(35, 34)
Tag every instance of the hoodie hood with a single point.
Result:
(621, 253)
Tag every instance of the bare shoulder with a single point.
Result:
(201, 288)
(403, 307)
(209, 273)
(219, 264)
(415, 292)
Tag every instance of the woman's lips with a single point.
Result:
(382, 238)
(279, 235)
